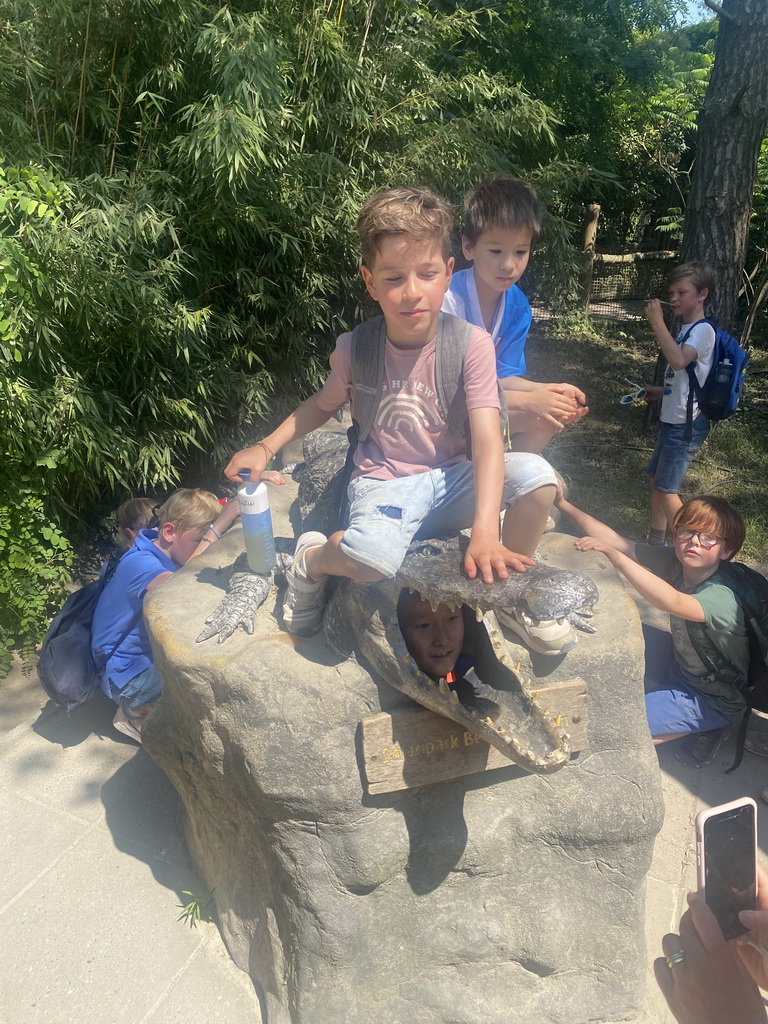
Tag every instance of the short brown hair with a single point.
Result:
(189, 509)
(701, 275)
(135, 514)
(713, 515)
(416, 212)
(501, 202)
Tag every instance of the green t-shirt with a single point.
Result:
(723, 620)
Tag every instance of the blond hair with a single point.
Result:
(416, 212)
(713, 515)
(501, 202)
(189, 509)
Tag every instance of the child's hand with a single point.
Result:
(593, 544)
(483, 557)
(653, 393)
(255, 459)
(654, 313)
(555, 405)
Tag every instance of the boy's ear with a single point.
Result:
(168, 532)
(467, 248)
(368, 278)
(704, 294)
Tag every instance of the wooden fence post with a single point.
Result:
(588, 253)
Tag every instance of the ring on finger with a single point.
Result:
(675, 958)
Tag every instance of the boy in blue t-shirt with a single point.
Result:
(502, 220)
(188, 522)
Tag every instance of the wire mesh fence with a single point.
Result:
(621, 284)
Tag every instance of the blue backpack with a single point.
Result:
(67, 669)
(719, 395)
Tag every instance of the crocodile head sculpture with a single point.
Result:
(491, 700)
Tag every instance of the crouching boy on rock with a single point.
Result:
(412, 476)
(683, 698)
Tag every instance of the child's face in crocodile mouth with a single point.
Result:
(433, 638)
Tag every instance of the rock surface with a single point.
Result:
(498, 898)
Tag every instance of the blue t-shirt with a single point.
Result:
(120, 604)
(511, 322)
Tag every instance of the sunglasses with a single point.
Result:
(633, 396)
(706, 540)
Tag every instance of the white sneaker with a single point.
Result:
(304, 601)
(129, 725)
(547, 636)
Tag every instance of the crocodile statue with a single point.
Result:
(491, 700)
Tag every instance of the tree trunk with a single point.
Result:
(731, 126)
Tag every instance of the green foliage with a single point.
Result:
(195, 909)
(35, 558)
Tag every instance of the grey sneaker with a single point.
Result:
(304, 601)
(129, 725)
(547, 636)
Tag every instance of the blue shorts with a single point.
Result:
(672, 455)
(671, 704)
(386, 515)
(143, 689)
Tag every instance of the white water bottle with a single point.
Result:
(257, 525)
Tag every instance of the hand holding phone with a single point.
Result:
(726, 861)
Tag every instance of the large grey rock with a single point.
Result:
(494, 899)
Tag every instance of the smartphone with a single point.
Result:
(726, 861)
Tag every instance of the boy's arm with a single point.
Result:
(486, 553)
(661, 594)
(678, 356)
(587, 524)
(309, 416)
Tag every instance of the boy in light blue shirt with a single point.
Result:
(502, 220)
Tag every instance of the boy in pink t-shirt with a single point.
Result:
(412, 476)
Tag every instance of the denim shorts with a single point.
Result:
(143, 689)
(672, 454)
(671, 704)
(386, 515)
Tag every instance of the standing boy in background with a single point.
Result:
(502, 220)
(690, 285)
(411, 471)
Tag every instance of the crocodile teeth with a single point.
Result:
(488, 721)
(407, 659)
(454, 697)
(558, 719)
(443, 686)
(479, 614)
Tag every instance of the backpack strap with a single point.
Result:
(694, 390)
(453, 337)
(369, 341)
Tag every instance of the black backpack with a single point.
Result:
(751, 590)
(67, 669)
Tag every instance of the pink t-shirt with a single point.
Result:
(409, 434)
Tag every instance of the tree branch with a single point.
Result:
(713, 5)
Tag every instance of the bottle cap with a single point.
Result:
(244, 474)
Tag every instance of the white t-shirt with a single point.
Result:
(674, 403)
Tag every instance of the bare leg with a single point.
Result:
(664, 508)
(672, 736)
(329, 560)
(529, 433)
(524, 523)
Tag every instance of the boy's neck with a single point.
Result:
(698, 314)
(693, 577)
(488, 300)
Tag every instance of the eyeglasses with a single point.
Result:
(638, 393)
(706, 540)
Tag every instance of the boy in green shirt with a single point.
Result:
(682, 696)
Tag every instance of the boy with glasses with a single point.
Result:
(684, 699)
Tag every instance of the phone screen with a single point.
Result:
(729, 866)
